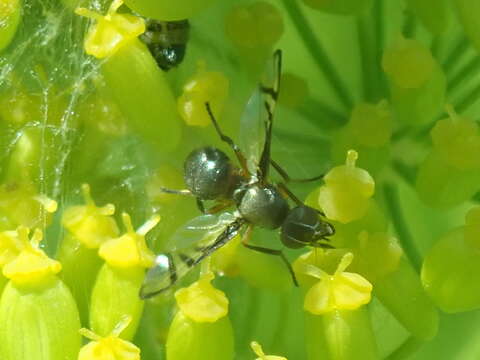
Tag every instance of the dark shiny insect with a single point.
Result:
(167, 41)
(211, 175)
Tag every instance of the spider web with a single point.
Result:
(45, 76)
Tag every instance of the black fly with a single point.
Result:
(211, 175)
(167, 41)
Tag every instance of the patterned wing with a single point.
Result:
(190, 244)
(256, 121)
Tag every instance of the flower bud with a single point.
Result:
(450, 174)
(417, 83)
(368, 132)
(110, 347)
(201, 329)
(36, 309)
(88, 227)
(22, 205)
(467, 10)
(118, 283)
(337, 324)
(434, 14)
(451, 264)
(345, 196)
(205, 86)
(10, 15)
(255, 25)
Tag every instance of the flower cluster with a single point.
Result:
(379, 96)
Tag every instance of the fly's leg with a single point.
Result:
(288, 179)
(286, 192)
(200, 205)
(176, 192)
(264, 250)
(241, 158)
(219, 207)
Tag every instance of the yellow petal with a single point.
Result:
(130, 249)
(201, 302)
(111, 32)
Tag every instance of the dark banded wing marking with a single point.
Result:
(256, 121)
(196, 240)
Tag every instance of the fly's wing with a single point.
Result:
(256, 121)
(252, 131)
(192, 243)
(199, 231)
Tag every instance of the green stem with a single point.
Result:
(409, 26)
(436, 46)
(367, 60)
(379, 31)
(318, 53)
(252, 307)
(406, 172)
(396, 215)
(458, 50)
(280, 333)
(297, 138)
(408, 348)
(468, 100)
(468, 71)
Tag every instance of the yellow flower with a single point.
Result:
(201, 301)
(340, 291)
(31, 265)
(110, 347)
(112, 31)
(257, 349)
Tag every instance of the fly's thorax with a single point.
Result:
(262, 205)
(209, 173)
(303, 226)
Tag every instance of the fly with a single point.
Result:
(167, 41)
(210, 175)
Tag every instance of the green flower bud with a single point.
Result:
(417, 83)
(434, 14)
(201, 329)
(442, 185)
(254, 25)
(88, 227)
(205, 86)
(457, 139)
(10, 14)
(118, 283)
(368, 132)
(451, 264)
(345, 196)
(36, 309)
(467, 10)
